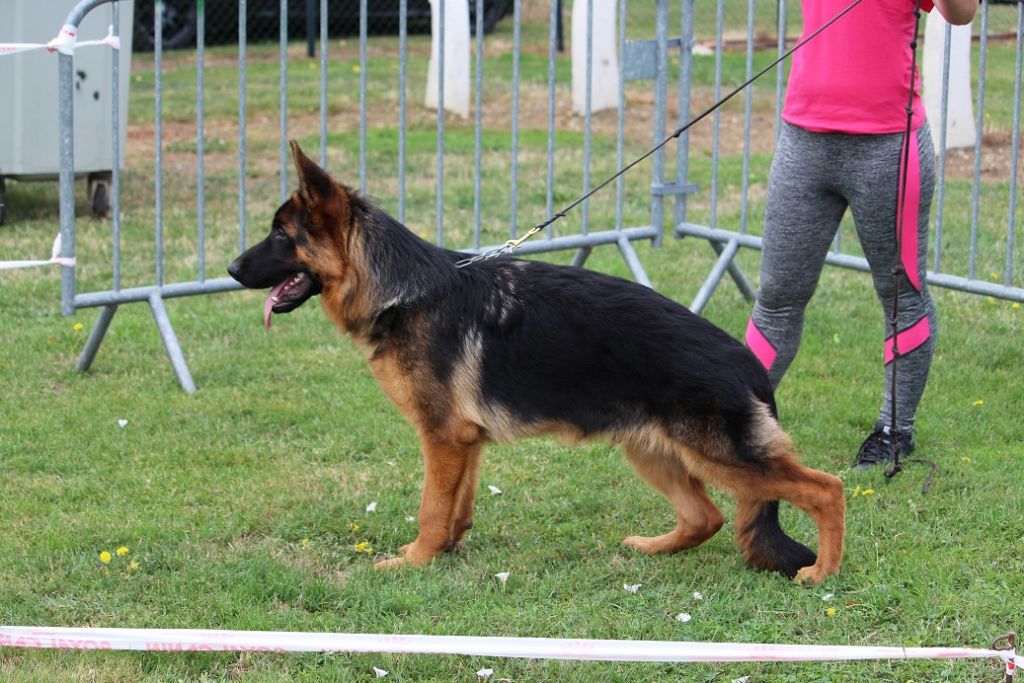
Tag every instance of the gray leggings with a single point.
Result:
(814, 178)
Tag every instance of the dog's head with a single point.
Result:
(304, 250)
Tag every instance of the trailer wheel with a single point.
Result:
(99, 195)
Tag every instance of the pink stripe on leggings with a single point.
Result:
(909, 339)
(910, 208)
(761, 347)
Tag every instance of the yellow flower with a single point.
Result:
(133, 565)
(856, 491)
(830, 612)
(305, 543)
(122, 551)
(105, 557)
(964, 458)
(1015, 304)
(78, 327)
(867, 492)
(356, 69)
(990, 299)
(353, 526)
(977, 403)
(363, 547)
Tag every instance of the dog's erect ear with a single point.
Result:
(314, 183)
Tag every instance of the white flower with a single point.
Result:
(631, 587)
(372, 507)
(697, 595)
(122, 423)
(495, 491)
(485, 673)
(379, 673)
(683, 617)
(827, 596)
(502, 576)
(742, 679)
(410, 519)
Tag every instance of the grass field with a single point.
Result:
(244, 506)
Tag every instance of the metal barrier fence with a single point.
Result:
(480, 170)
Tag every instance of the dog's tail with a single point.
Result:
(765, 545)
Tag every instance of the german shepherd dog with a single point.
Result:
(506, 348)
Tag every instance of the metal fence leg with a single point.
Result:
(715, 276)
(725, 263)
(629, 255)
(163, 323)
(581, 256)
(92, 345)
(746, 289)
(633, 261)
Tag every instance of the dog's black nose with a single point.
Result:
(234, 268)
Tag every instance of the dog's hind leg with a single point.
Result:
(818, 494)
(821, 496)
(450, 459)
(697, 517)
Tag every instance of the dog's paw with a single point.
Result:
(813, 575)
(643, 544)
(412, 555)
(390, 563)
(666, 543)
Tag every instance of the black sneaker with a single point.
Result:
(877, 448)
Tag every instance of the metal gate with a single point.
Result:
(519, 163)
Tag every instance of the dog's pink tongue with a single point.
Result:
(268, 305)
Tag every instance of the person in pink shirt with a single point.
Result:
(844, 122)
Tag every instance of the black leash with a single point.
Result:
(511, 245)
(898, 271)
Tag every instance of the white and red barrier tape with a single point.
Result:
(65, 43)
(159, 640)
(55, 258)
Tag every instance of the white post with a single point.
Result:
(959, 116)
(456, 56)
(604, 75)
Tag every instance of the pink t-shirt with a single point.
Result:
(855, 76)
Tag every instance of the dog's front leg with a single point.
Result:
(465, 496)
(450, 467)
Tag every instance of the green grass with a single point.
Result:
(242, 504)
